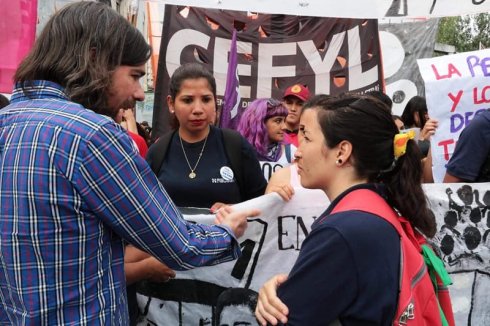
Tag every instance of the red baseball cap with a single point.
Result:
(299, 91)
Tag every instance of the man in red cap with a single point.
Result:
(293, 100)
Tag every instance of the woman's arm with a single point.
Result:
(138, 265)
(280, 182)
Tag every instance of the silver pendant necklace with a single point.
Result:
(192, 175)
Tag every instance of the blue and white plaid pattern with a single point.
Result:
(72, 186)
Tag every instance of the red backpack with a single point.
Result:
(423, 296)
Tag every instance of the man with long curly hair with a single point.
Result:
(72, 185)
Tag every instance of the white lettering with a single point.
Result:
(221, 180)
(221, 51)
(178, 42)
(266, 71)
(357, 78)
(267, 54)
(323, 67)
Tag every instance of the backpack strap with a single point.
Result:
(411, 261)
(160, 150)
(370, 202)
(287, 148)
(233, 146)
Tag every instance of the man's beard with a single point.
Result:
(112, 112)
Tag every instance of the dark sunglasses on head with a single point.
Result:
(273, 103)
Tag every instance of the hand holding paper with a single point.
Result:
(235, 220)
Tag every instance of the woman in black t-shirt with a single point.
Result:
(196, 169)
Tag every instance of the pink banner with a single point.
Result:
(18, 26)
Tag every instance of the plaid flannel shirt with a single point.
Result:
(72, 186)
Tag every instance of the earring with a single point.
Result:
(172, 112)
(338, 162)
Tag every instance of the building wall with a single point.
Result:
(127, 8)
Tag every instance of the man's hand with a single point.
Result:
(216, 206)
(269, 307)
(235, 220)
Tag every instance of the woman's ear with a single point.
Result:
(170, 104)
(344, 151)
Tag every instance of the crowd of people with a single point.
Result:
(90, 206)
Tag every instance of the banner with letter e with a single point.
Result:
(457, 88)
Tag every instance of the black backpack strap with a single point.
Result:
(158, 151)
(233, 146)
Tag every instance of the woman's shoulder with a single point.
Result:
(233, 133)
(226, 134)
(159, 148)
(233, 138)
(359, 225)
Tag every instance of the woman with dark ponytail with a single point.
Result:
(348, 270)
(371, 132)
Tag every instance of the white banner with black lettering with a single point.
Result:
(272, 242)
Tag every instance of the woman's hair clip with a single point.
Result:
(400, 143)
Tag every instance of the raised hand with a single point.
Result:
(286, 191)
(429, 129)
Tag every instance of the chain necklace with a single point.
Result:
(192, 175)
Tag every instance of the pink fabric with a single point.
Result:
(18, 31)
(291, 138)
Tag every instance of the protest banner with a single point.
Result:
(270, 245)
(272, 242)
(349, 8)
(329, 55)
(402, 43)
(457, 88)
(268, 168)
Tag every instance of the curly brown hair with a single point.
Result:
(79, 49)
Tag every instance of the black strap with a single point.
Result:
(160, 150)
(233, 147)
(287, 147)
